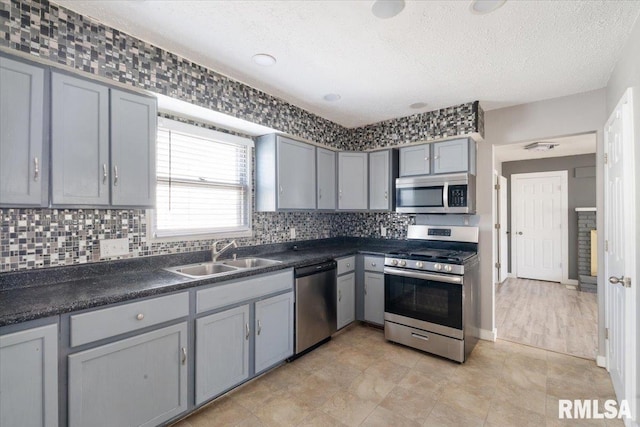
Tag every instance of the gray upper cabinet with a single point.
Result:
(29, 377)
(133, 153)
(24, 168)
(383, 171)
(415, 160)
(353, 181)
(454, 156)
(326, 167)
(79, 142)
(139, 381)
(285, 174)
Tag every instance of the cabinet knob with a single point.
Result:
(115, 174)
(281, 190)
(339, 295)
(184, 355)
(36, 169)
(246, 336)
(259, 327)
(348, 264)
(319, 193)
(436, 157)
(140, 316)
(104, 173)
(373, 264)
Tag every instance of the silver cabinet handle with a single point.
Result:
(436, 157)
(281, 189)
(340, 194)
(386, 195)
(140, 316)
(427, 158)
(115, 175)
(339, 295)
(319, 193)
(373, 264)
(365, 288)
(104, 173)
(248, 331)
(36, 169)
(421, 337)
(348, 264)
(259, 327)
(184, 355)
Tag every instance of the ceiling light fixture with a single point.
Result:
(482, 7)
(264, 59)
(385, 9)
(418, 105)
(331, 97)
(541, 146)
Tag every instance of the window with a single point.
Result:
(204, 182)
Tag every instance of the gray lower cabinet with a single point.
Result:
(353, 181)
(346, 308)
(415, 160)
(29, 377)
(139, 381)
(133, 149)
(326, 169)
(273, 331)
(24, 168)
(222, 351)
(79, 142)
(373, 289)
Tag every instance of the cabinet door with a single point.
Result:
(79, 142)
(352, 181)
(133, 149)
(273, 330)
(374, 298)
(415, 160)
(222, 352)
(139, 381)
(346, 299)
(23, 167)
(451, 156)
(29, 377)
(326, 179)
(296, 174)
(379, 180)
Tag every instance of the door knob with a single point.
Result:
(624, 281)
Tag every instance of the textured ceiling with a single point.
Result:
(568, 146)
(434, 51)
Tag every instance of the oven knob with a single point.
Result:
(403, 263)
(447, 268)
(437, 266)
(419, 264)
(394, 262)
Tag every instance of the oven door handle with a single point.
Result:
(456, 280)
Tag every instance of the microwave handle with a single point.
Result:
(445, 196)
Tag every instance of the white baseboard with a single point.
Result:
(573, 282)
(488, 335)
(601, 361)
(511, 275)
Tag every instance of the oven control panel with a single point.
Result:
(410, 264)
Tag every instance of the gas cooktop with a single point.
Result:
(435, 255)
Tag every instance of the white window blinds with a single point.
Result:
(204, 181)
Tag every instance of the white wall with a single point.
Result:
(569, 115)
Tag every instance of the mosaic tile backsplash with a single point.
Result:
(37, 238)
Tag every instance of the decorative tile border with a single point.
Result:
(38, 238)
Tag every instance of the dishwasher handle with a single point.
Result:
(316, 268)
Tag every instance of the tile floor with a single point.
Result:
(547, 315)
(360, 379)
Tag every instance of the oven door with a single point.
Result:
(429, 301)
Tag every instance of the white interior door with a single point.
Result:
(620, 268)
(539, 225)
(502, 231)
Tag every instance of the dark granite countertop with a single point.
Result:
(48, 292)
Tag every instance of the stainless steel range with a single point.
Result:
(431, 292)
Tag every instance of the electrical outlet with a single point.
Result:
(114, 247)
(383, 231)
(292, 232)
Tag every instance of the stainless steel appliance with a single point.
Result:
(439, 194)
(315, 305)
(431, 293)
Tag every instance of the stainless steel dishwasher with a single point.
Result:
(315, 305)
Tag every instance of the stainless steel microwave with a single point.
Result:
(436, 194)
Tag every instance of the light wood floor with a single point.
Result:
(359, 379)
(547, 315)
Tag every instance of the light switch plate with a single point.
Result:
(383, 231)
(292, 232)
(114, 247)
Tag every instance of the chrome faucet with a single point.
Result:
(215, 253)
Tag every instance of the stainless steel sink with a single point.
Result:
(219, 268)
(251, 262)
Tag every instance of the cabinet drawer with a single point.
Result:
(105, 323)
(346, 265)
(238, 291)
(374, 263)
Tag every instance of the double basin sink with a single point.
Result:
(219, 268)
